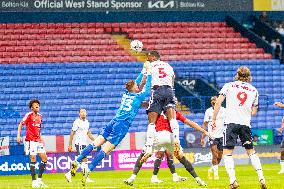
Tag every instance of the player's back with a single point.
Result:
(130, 104)
(240, 97)
(162, 73)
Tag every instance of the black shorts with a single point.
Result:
(79, 148)
(231, 134)
(218, 142)
(162, 98)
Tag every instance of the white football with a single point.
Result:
(136, 45)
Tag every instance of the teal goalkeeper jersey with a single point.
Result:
(131, 102)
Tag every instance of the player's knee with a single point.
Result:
(179, 156)
(159, 155)
(33, 158)
(215, 161)
(219, 160)
(44, 159)
(282, 154)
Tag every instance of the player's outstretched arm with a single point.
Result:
(196, 126)
(141, 77)
(204, 126)
(217, 107)
(279, 104)
(147, 87)
(19, 133)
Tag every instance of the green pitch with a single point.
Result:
(114, 179)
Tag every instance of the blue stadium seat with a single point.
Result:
(64, 88)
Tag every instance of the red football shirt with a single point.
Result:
(33, 125)
(163, 124)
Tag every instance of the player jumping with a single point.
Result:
(162, 129)
(241, 104)
(81, 132)
(162, 99)
(281, 105)
(33, 141)
(216, 145)
(117, 128)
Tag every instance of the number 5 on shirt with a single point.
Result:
(162, 73)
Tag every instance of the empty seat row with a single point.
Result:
(27, 36)
(179, 29)
(184, 35)
(28, 48)
(106, 25)
(59, 42)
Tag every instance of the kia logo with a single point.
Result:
(161, 4)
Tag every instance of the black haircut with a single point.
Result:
(155, 54)
(33, 101)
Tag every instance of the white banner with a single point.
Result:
(4, 146)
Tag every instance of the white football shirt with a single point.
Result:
(81, 129)
(240, 98)
(162, 73)
(218, 131)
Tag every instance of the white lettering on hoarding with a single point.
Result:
(199, 158)
(161, 4)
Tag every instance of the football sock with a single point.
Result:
(138, 165)
(282, 164)
(157, 164)
(211, 168)
(171, 165)
(86, 151)
(215, 169)
(150, 134)
(133, 177)
(175, 175)
(256, 164)
(230, 167)
(41, 169)
(84, 166)
(175, 128)
(97, 159)
(188, 166)
(32, 169)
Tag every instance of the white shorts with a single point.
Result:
(34, 148)
(164, 140)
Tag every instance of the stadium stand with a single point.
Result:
(93, 42)
(65, 87)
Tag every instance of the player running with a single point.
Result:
(164, 143)
(117, 128)
(81, 132)
(241, 104)
(280, 130)
(216, 145)
(162, 99)
(33, 141)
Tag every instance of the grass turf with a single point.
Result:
(246, 176)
